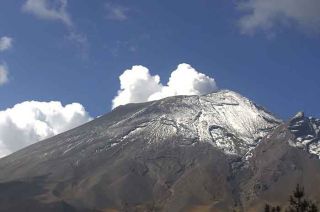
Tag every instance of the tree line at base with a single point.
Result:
(297, 203)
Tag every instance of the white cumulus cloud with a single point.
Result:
(266, 14)
(49, 9)
(31, 121)
(138, 85)
(5, 43)
(3, 74)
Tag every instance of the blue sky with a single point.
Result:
(276, 64)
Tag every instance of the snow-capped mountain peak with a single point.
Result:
(306, 131)
(216, 151)
(225, 119)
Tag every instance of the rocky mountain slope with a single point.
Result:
(217, 152)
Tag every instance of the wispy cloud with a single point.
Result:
(4, 72)
(49, 9)
(5, 43)
(266, 15)
(116, 12)
(56, 10)
(80, 40)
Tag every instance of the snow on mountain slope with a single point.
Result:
(225, 119)
(172, 154)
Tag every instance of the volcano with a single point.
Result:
(215, 152)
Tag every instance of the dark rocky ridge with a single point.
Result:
(218, 152)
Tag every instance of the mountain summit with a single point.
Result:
(216, 152)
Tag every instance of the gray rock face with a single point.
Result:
(277, 165)
(183, 153)
(307, 133)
